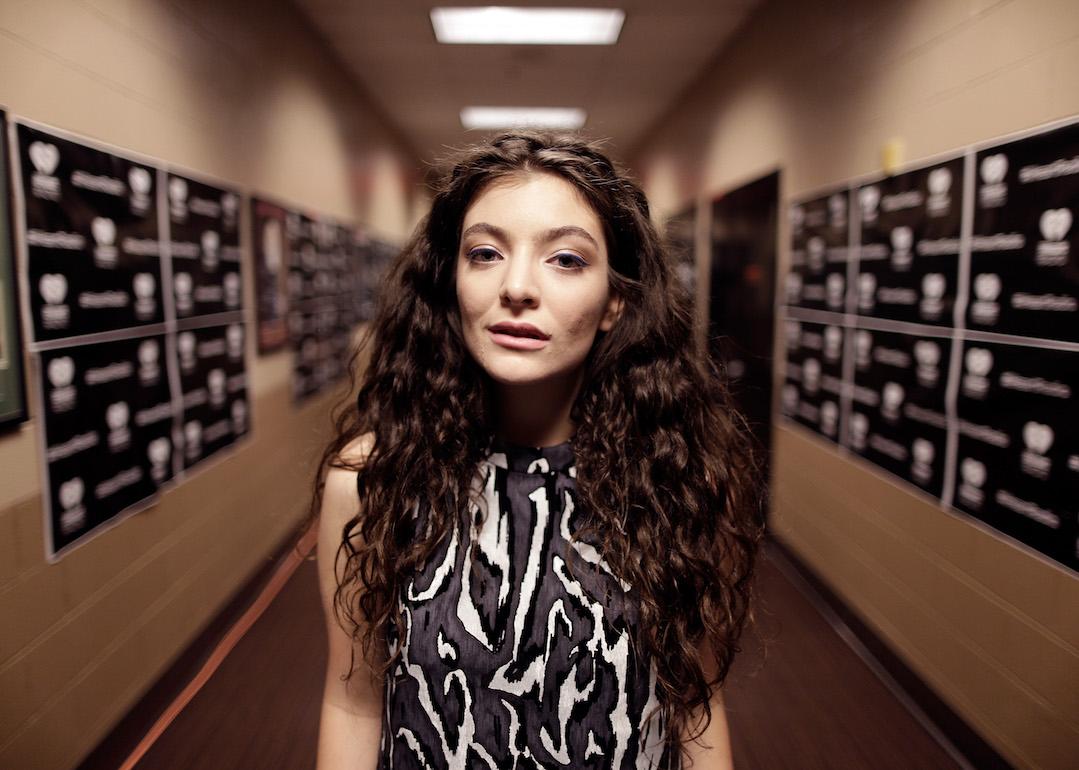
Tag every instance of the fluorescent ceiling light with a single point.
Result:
(542, 26)
(522, 117)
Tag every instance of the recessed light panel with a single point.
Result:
(528, 26)
(522, 117)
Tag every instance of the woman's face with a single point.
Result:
(532, 254)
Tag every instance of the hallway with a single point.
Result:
(799, 697)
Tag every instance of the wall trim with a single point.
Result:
(958, 736)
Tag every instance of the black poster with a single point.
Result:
(108, 420)
(303, 327)
(1024, 266)
(91, 236)
(814, 376)
(214, 385)
(1018, 457)
(270, 243)
(328, 292)
(376, 259)
(350, 278)
(304, 257)
(820, 239)
(898, 417)
(975, 419)
(908, 260)
(205, 247)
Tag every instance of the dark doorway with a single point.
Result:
(742, 290)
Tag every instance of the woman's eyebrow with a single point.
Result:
(545, 237)
(483, 227)
(560, 232)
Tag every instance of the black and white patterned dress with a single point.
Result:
(512, 662)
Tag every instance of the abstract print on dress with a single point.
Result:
(509, 659)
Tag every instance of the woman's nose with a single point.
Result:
(519, 282)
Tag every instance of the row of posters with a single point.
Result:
(316, 280)
(932, 329)
(134, 310)
(133, 306)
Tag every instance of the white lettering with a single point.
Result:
(999, 242)
(1058, 302)
(73, 445)
(122, 479)
(141, 247)
(1035, 385)
(101, 299)
(904, 200)
(1061, 167)
(938, 247)
(105, 184)
(103, 374)
(997, 438)
(48, 240)
(1028, 509)
(154, 414)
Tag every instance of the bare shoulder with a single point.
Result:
(340, 504)
(340, 501)
(359, 449)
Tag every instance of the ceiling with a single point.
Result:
(420, 86)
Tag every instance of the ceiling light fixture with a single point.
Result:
(522, 117)
(528, 26)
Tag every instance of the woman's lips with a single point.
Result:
(517, 343)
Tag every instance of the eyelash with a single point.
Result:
(579, 262)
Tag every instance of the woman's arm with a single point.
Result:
(712, 750)
(351, 718)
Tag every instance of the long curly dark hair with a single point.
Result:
(665, 465)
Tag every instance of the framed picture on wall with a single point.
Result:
(12, 389)
(270, 244)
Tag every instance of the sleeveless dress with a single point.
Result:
(509, 659)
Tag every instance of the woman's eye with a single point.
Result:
(482, 255)
(569, 261)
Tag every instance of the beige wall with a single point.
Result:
(245, 93)
(817, 89)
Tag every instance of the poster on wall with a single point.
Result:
(1024, 261)
(107, 420)
(898, 417)
(12, 392)
(813, 390)
(91, 235)
(376, 256)
(128, 266)
(908, 258)
(204, 231)
(270, 247)
(820, 250)
(959, 371)
(1018, 455)
(213, 382)
(325, 295)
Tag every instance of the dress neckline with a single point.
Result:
(527, 459)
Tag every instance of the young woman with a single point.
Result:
(539, 518)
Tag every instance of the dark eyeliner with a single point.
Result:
(472, 253)
(580, 261)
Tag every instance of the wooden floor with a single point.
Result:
(798, 696)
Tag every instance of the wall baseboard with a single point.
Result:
(125, 736)
(968, 742)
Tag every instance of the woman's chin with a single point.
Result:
(517, 375)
